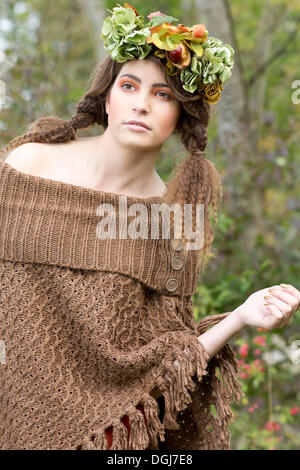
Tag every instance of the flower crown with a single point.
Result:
(204, 63)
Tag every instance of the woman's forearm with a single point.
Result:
(218, 335)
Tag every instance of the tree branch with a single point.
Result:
(278, 53)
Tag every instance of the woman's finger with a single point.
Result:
(283, 307)
(286, 306)
(293, 299)
(289, 298)
(276, 313)
(292, 290)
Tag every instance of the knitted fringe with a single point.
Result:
(220, 394)
(100, 441)
(176, 384)
(224, 390)
(154, 426)
(227, 389)
(120, 434)
(225, 361)
(138, 438)
(178, 380)
(140, 434)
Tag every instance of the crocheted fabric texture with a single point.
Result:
(92, 327)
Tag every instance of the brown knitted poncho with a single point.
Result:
(91, 328)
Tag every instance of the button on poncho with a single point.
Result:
(92, 326)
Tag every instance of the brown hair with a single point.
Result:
(196, 179)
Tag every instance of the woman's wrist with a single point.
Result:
(237, 314)
(218, 335)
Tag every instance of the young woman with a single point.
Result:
(102, 348)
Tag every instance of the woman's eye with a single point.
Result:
(163, 92)
(130, 84)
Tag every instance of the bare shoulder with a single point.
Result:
(47, 159)
(27, 158)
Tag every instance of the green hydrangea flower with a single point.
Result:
(218, 60)
(121, 22)
(191, 76)
(123, 36)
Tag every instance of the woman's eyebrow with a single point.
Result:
(139, 80)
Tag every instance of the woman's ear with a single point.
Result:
(107, 106)
(107, 102)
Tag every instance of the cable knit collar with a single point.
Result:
(53, 222)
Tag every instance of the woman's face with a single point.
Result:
(147, 90)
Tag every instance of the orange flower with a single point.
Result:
(182, 28)
(126, 5)
(198, 30)
(171, 29)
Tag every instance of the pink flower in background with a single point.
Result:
(261, 340)
(155, 13)
(258, 364)
(243, 375)
(294, 411)
(257, 352)
(252, 408)
(244, 350)
(277, 427)
(272, 426)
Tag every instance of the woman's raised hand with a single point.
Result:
(270, 308)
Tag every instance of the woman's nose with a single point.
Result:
(141, 105)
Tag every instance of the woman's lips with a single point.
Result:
(137, 127)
